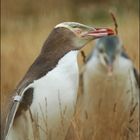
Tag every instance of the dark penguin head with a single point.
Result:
(108, 50)
(73, 36)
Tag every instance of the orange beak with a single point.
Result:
(100, 32)
(110, 70)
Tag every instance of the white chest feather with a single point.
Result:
(55, 95)
(61, 82)
(54, 99)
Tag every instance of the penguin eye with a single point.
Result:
(118, 51)
(78, 31)
(101, 50)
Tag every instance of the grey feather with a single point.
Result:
(136, 74)
(137, 77)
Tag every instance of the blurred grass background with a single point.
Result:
(25, 24)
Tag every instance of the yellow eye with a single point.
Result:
(101, 50)
(78, 31)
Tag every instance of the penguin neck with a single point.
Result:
(68, 60)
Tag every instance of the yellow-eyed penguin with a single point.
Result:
(44, 101)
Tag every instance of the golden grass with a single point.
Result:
(110, 120)
(22, 41)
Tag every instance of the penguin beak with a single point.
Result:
(109, 63)
(110, 70)
(100, 32)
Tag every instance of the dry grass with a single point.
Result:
(21, 43)
(110, 120)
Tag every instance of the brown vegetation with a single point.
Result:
(26, 25)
